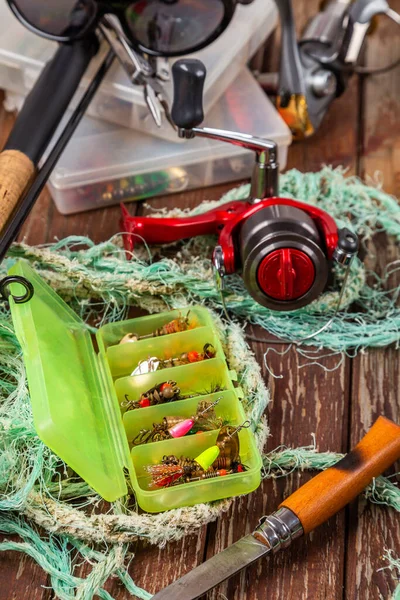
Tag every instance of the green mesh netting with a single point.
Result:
(98, 281)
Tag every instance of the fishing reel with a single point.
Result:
(316, 70)
(283, 248)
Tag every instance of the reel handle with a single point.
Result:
(188, 77)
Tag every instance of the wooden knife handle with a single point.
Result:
(331, 490)
(16, 173)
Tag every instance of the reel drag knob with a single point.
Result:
(188, 77)
(284, 266)
(286, 274)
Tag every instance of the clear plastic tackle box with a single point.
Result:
(23, 54)
(105, 164)
(78, 392)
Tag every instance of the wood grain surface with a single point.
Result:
(340, 560)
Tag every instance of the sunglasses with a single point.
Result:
(154, 27)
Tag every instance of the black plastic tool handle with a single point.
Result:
(46, 104)
(188, 77)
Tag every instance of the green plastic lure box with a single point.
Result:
(76, 393)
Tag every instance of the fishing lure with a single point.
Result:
(173, 470)
(229, 445)
(205, 419)
(186, 358)
(175, 326)
(168, 391)
(159, 394)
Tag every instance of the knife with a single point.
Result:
(310, 506)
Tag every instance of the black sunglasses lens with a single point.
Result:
(60, 18)
(174, 26)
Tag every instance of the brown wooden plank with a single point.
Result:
(376, 374)
(335, 143)
(45, 224)
(381, 101)
(21, 577)
(375, 391)
(372, 528)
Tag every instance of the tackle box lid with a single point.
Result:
(74, 404)
(23, 55)
(101, 151)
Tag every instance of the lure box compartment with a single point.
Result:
(23, 55)
(76, 394)
(105, 164)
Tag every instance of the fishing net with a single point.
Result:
(50, 509)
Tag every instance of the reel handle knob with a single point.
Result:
(188, 76)
(347, 241)
(347, 246)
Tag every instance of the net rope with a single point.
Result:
(58, 519)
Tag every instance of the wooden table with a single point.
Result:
(341, 559)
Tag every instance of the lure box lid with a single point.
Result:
(76, 393)
(23, 55)
(111, 156)
(74, 406)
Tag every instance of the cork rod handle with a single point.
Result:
(16, 173)
(331, 490)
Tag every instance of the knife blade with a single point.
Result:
(214, 571)
(309, 506)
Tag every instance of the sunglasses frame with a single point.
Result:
(49, 36)
(101, 8)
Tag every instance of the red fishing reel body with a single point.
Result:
(282, 247)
